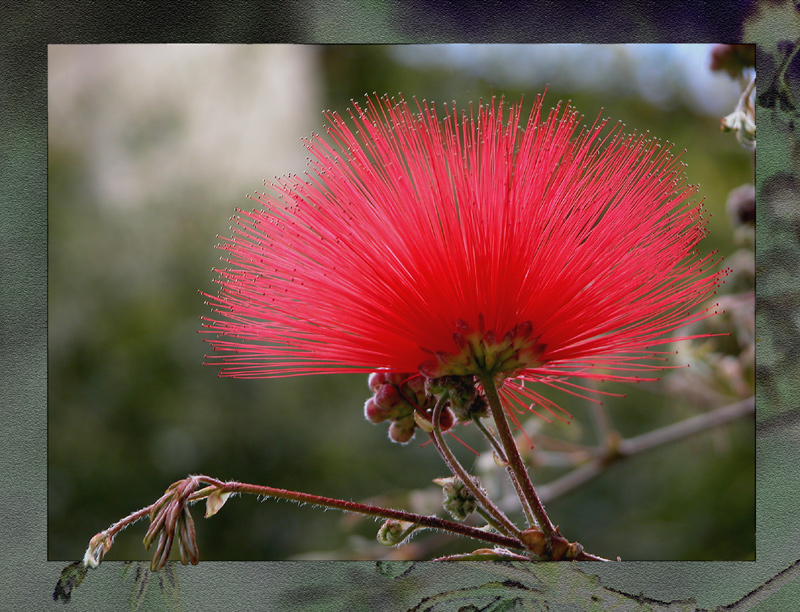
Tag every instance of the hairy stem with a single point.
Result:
(501, 455)
(500, 520)
(186, 489)
(432, 522)
(515, 463)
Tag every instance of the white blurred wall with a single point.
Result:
(161, 119)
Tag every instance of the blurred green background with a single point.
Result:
(150, 150)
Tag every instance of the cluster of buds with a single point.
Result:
(170, 520)
(464, 398)
(458, 499)
(402, 399)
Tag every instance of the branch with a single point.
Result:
(171, 521)
(639, 444)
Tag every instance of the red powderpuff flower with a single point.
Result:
(532, 250)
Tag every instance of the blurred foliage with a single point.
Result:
(778, 226)
(131, 409)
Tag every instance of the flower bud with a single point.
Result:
(416, 386)
(534, 539)
(391, 398)
(376, 379)
(423, 421)
(402, 430)
(447, 419)
(560, 547)
(215, 501)
(574, 551)
(388, 396)
(375, 413)
(397, 378)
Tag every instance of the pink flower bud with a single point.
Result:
(447, 419)
(375, 413)
(388, 396)
(376, 379)
(402, 431)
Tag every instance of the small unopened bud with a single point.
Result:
(447, 419)
(574, 551)
(536, 542)
(458, 499)
(402, 430)
(375, 413)
(215, 501)
(393, 532)
(388, 396)
(560, 547)
(416, 386)
(498, 460)
(425, 419)
(397, 378)
(376, 379)
(390, 400)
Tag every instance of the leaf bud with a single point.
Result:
(393, 532)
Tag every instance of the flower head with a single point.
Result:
(529, 249)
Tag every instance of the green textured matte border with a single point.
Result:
(28, 579)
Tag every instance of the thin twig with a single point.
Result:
(639, 444)
(688, 427)
(432, 522)
(501, 456)
(501, 521)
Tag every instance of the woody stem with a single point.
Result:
(516, 467)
